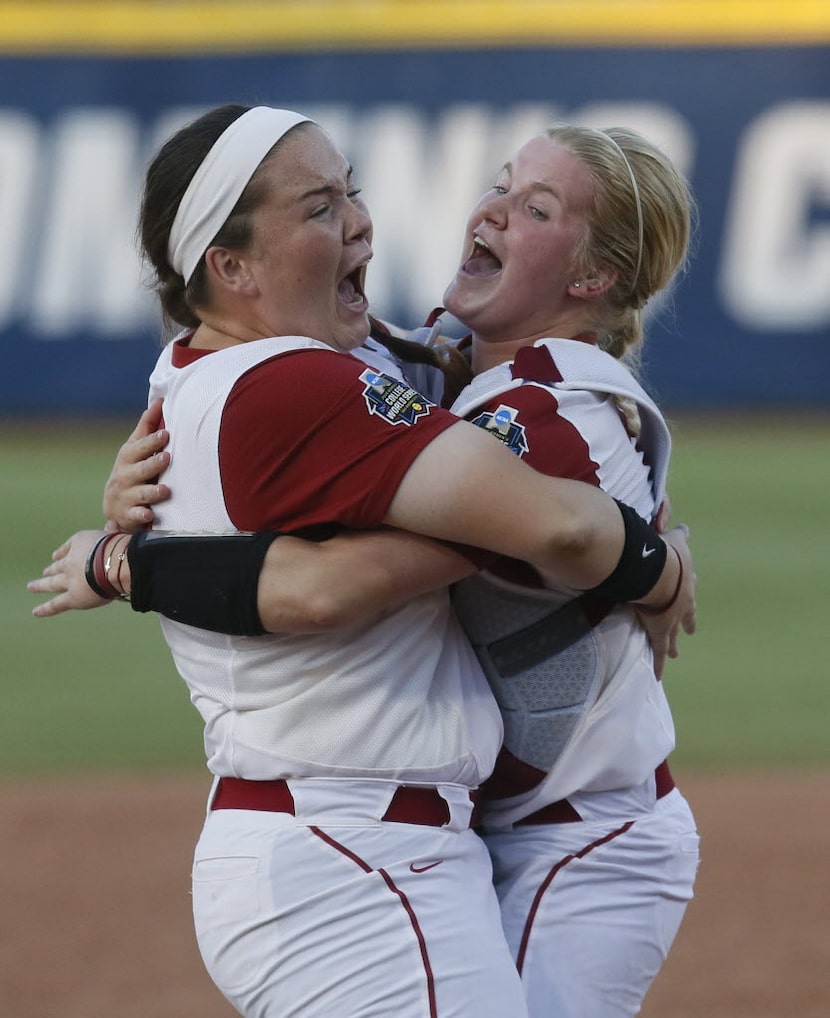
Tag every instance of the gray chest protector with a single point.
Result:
(542, 663)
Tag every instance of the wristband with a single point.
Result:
(641, 563)
(207, 581)
(95, 570)
(645, 609)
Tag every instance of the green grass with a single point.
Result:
(97, 690)
(84, 690)
(751, 689)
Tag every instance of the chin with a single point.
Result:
(348, 339)
(460, 298)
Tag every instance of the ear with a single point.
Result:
(592, 286)
(231, 270)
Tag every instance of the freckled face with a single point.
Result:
(312, 242)
(520, 245)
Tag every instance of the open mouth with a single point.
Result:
(350, 289)
(482, 262)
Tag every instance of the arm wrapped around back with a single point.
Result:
(205, 581)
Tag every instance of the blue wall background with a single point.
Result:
(748, 328)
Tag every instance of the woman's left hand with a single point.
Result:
(663, 627)
(132, 488)
(65, 577)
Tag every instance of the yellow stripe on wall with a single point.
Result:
(159, 27)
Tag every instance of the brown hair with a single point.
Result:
(167, 179)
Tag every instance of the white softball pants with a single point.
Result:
(590, 909)
(337, 914)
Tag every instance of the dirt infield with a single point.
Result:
(96, 916)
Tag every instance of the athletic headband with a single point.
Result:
(220, 180)
(639, 205)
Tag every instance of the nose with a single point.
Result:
(359, 225)
(493, 208)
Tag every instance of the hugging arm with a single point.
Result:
(573, 531)
(236, 583)
(252, 584)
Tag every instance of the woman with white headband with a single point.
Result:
(337, 872)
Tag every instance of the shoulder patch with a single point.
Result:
(392, 399)
(502, 424)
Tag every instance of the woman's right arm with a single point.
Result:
(426, 473)
(301, 586)
(463, 486)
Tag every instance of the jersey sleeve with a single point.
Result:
(533, 428)
(317, 437)
(527, 421)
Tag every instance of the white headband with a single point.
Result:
(220, 180)
(639, 205)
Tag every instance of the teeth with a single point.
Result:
(480, 243)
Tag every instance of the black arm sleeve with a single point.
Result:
(204, 581)
(641, 563)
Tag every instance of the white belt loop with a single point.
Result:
(460, 804)
(321, 801)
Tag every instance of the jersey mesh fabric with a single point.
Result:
(402, 698)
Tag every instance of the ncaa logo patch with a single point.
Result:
(393, 400)
(502, 424)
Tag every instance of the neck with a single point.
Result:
(485, 354)
(500, 346)
(217, 333)
(489, 353)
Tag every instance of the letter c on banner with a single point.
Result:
(776, 250)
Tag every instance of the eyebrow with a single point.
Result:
(536, 185)
(315, 192)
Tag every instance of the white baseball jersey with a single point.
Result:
(590, 715)
(286, 434)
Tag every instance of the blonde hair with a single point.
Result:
(639, 226)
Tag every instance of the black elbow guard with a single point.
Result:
(208, 581)
(641, 563)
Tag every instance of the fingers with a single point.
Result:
(54, 569)
(661, 524)
(131, 489)
(150, 494)
(678, 537)
(65, 577)
(49, 608)
(659, 655)
(674, 650)
(149, 421)
(61, 552)
(53, 581)
(142, 460)
(42, 585)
